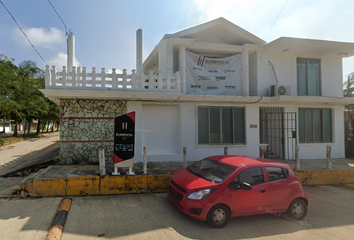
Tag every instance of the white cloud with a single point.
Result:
(321, 19)
(40, 36)
(61, 60)
(317, 19)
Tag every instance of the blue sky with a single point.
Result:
(105, 30)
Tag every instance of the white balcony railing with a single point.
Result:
(82, 80)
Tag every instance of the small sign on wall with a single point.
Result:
(124, 135)
(253, 126)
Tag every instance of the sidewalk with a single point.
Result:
(27, 153)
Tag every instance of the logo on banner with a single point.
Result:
(200, 61)
(213, 76)
(124, 133)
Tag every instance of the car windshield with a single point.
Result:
(211, 170)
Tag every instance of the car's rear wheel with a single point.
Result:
(297, 209)
(218, 216)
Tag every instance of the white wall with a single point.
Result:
(161, 129)
(286, 71)
(165, 128)
(331, 76)
(7, 129)
(166, 59)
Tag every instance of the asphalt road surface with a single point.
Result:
(152, 216)
(23, 154)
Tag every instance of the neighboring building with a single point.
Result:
(207, 87)
(5, 124)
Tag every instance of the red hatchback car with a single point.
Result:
(217, 188)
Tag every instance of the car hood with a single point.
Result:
(190, 182)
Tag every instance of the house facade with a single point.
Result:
(209, 87)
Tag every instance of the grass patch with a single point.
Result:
(6, 139)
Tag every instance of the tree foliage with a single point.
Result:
(348, 86)
(20, 97)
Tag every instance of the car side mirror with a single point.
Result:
(240, 186)
(245, 186)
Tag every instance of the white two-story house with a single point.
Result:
(211, 86)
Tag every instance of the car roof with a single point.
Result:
(239, 161)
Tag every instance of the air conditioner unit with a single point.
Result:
(279, 90)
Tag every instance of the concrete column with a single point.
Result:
(70, 52)
(162, 60)
(166, 59)
(182, 67)
(245, 73)
(139, 50)
(169, 59)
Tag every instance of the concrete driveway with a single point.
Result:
(152, 216)
(23, 154)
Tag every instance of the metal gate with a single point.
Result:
(278, 130)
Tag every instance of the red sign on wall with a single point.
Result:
(253, 126)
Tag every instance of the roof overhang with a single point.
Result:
(228, 31)
(310, 47)
(204, 48)
(216, 38)
(56, 95)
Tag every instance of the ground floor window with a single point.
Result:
(221, 125)
(315, 125)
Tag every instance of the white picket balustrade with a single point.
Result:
(79, 79)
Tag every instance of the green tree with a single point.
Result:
(348, 89)
(19, 94)
(8, 78)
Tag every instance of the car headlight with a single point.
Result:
(199, 194)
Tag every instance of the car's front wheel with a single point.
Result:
(297, 209)
(218, 216)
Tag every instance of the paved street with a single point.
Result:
(26, 153)
(152, 216)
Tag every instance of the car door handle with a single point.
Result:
(263, 191)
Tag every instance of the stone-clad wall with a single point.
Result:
(93, 126)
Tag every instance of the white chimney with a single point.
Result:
(70, 52)
(139, 50)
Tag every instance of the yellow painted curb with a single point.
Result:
(95, 185)
(49, 187)
(326, 177)
(78, 186)
(133, 184)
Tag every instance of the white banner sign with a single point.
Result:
(213, 76)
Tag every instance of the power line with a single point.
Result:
(58, 16)
(276, 18)
(24, 33)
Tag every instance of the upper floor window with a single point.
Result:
(308, 77)
(221, 125)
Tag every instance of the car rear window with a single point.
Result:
(212, 170)
(277, 173)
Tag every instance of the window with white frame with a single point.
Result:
(308, 77)
(221, 125)
(315, 125)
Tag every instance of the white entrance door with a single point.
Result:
(161, 129)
